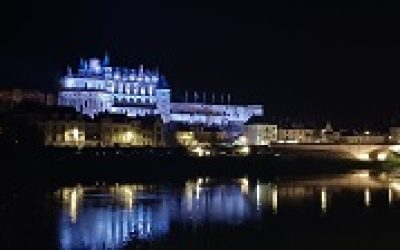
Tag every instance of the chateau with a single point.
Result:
(97, 87)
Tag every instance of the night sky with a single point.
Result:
(301, 61)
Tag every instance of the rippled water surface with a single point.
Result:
(357, 210)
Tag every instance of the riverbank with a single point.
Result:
(49, 168)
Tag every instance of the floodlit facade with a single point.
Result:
(104, 131)
(97, 87)
(259, 132)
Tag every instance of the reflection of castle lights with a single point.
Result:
(367, 197)
(275, 199)
(127, 196)
(71, 197)
(198, 183)
(323, 200)
(390, 196)
(189, 195)
(73, 206)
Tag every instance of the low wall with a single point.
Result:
(341, 150)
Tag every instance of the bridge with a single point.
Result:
(345, 151)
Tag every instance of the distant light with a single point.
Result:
(244, 185)
(367, 132)
(199, 151)
(395, 186)
(323, 200)
(395, 148)
(382, 156)
(363, 157)
(275, 199)
(245, 150)
(367, 197)
(363, 174)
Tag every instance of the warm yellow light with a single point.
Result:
(362, 174)
(382, 156)
(129, 135)
(367, 132)
(275, 199)
(245, 150)
(395, 148)
(75, 134)
(363, 157)
(367, 197)
(395, 186)
(323, 200)
(244, 185)
(201, 152)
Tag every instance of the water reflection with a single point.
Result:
(323, 200)
(105, 216)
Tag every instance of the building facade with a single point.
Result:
(297, 135)
(97, 87)
(103, 131)
(260, 134)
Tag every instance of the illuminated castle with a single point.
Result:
(97, 87)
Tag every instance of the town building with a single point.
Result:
(366, 137)
(297, 135)
(97, 87)
(105, 130)
(192, 136)
(259, 132)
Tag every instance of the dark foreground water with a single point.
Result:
(356, 210)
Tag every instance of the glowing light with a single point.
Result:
(382, 156)
(245, 150)
(75, 134)
(323, 200)
(363, 157)
(200, 152)
(197, 190)
(390, 196)
(129, 136)
(362, 174)
(127, 196)
(395, 148)
(274, 199)
(395, 186)
(367, 132)
(73, 206)
(244, 185)
(367, 197)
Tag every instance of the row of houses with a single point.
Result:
(257, 131)
(106, 130)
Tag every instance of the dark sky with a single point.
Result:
(300, 60)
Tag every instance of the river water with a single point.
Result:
(356, 210)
